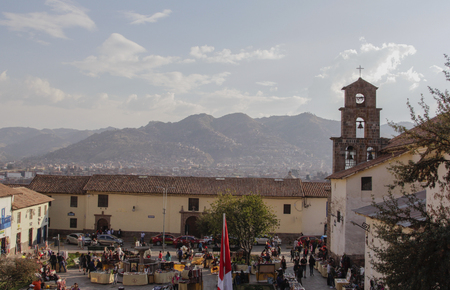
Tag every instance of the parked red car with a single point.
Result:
(185, 240)
(158, 239)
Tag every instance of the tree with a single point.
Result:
(16, 272)
(415, 249)
(247, 217)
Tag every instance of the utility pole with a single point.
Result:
(165, 189)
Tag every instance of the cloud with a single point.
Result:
(122, 57)
(119, 56)
(272, 85)
(180, 83)
(141, 19)
(258, 104)
(226, 56)
(382, 65)
(3, 76)
(161, 104)
(65, 15)
(266, 83)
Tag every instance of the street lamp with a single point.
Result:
(165, 189)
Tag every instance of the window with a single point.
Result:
(19, 217)
(74, 201)
(338, 216)
(102, 200)
(73, 223)
(48, 222)
(45, 209)
(3, 212)
(193, 204)
(31, 214)
(39, 211)
(49, 203)
(366, 183)
(287, 209)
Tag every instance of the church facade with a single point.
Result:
(360, 162)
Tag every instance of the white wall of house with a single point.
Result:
(5, 223)
(30, 220)
(347, 195)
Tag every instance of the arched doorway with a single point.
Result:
(191, 227)
(102, 224)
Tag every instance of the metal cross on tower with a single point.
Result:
(360, 68)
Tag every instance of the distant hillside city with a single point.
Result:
(234, 145)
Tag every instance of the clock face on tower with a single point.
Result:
(359, 98)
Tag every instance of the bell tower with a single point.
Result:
(360, 127)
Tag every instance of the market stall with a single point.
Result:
(164, 276)
(266, 271)
(134, 278)
(102, 277)
(191, 279)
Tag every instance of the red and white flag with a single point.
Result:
(225, 278)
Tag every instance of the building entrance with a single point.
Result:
(191, 227)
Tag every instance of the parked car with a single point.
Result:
(73, 239)
(158, 239)
(208, 240)
(311, 238)
(264, 239)
(108, 240)
(185, 240)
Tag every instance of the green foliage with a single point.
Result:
(15, 272)
(247, 217)
(415, 249)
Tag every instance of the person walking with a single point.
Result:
(303, 263)
(53, 261)
(283, 264)
(312, 262)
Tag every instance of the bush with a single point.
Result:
(15, 272)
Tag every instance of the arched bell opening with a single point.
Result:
(350, 157)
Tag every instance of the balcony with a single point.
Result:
(5, 223)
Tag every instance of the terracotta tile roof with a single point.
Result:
(6, 191)
(26, 198)
(194, 185)
(134, 184)
(58, 184)
(364, 165)
(316, 189)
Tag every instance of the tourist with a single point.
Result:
(142, 237)
(75, 287)
(81, 262)
(283, 264)
(168, 257)
(53, 261)
(312, 262)
(303, 263)
(160, 255)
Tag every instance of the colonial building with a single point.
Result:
(24, 218)
(135, 203)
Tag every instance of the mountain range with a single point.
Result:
(198, 141)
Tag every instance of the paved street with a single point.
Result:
(316, 282)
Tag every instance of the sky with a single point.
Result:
(94, 64)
